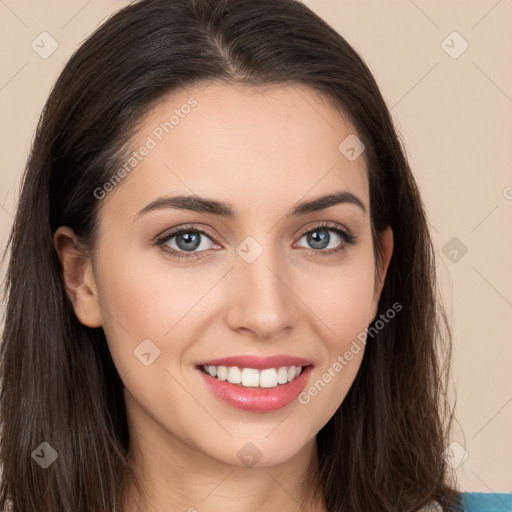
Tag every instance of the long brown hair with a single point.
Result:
(382, 449)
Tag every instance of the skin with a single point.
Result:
(263, 151)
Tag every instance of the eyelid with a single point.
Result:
(318, 224)
(183, 228)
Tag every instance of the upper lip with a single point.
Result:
(256, 362)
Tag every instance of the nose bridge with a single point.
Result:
(260, 299)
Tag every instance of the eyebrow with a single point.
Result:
(205, 205)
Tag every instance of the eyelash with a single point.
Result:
(347, 239)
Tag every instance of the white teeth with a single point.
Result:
(250, 377)
(282, 375)
(222, 372)
(234, 375)
(268, 378)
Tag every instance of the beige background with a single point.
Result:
(455, 116)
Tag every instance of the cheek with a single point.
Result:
(345, 312)
(346, 308)
(146, 292)
(139, 302)
(143, 300)
(342, 300)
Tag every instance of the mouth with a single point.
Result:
(255, 390)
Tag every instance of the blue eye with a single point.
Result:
(187, 241)
(320, 238)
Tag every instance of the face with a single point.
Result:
(177, 284)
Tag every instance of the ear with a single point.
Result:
(78, 277)
(386, 248)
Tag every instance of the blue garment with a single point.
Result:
(486, 502)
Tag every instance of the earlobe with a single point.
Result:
(78, 277)
(386, 243)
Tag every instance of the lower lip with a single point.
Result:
(257, 399)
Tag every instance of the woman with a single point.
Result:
(221, 294)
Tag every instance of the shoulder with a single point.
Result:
(486, 502)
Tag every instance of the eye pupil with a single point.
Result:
(319, 239)
(190, 239)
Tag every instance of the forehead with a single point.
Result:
(245, 145)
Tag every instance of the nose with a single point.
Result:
(261, 300)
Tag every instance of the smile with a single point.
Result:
(255, 390)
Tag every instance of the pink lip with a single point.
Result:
(256, 399)
(258, 363)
